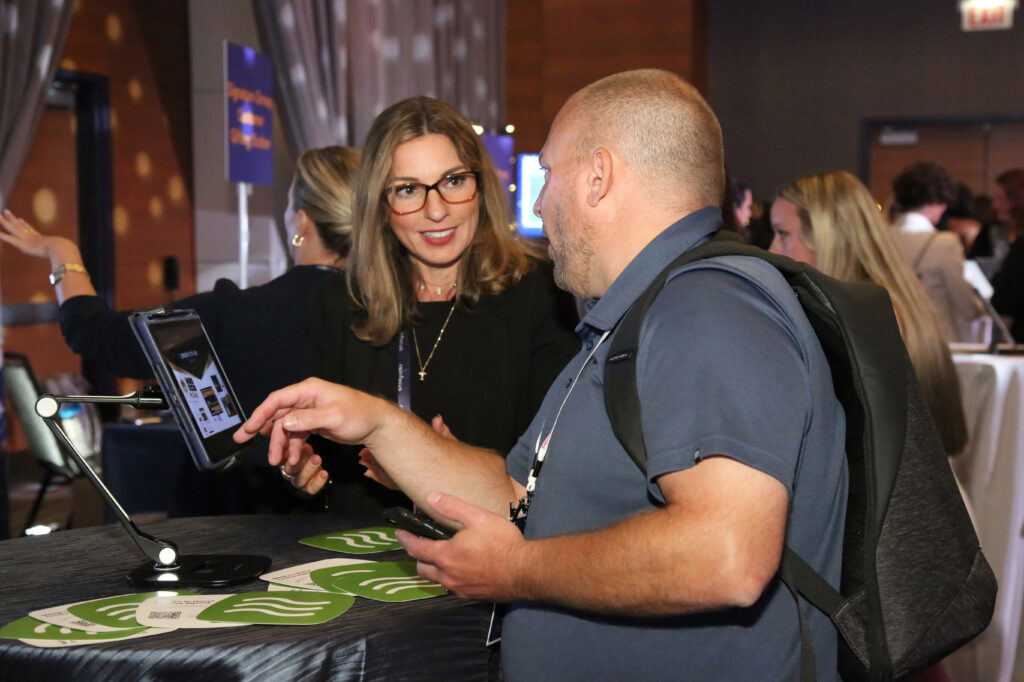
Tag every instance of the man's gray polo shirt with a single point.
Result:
(728, 365)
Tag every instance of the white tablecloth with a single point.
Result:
(992, 471)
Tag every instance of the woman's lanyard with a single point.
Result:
(404, 372)
(518, 512)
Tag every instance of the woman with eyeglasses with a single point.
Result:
(442, 308)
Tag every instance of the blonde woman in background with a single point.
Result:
(830, 221)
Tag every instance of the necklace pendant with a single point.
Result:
(423, 375)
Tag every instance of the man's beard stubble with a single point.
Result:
(571, 251)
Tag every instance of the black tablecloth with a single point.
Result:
(433, 639)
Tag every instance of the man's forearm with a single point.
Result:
(421, 461)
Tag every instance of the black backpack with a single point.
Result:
(915, 585)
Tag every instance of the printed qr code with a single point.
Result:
(165, 615)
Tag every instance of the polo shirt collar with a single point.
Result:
(694, 229)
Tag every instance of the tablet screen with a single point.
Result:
(188, 355)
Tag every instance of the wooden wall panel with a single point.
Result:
(153, 215)
(45, 195)
(961, 149)
(555, 47)
(975, 153)
(524, 78)
(1006, 149)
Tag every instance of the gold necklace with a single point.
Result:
(438, 289)
(416, 345)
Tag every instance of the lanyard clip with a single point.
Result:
(520, 510)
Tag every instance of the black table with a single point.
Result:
(433, 639)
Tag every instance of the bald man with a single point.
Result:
(621, 574)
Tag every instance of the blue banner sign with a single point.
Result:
(249, 91)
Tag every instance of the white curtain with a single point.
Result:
(32, 37)
(339, 63)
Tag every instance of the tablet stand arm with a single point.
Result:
(163, 552)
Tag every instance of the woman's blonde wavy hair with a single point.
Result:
(844, 227)
(323, 189)
(380, 273)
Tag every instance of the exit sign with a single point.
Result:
(986, 15)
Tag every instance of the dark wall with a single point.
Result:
(555, 47)
(791, 80)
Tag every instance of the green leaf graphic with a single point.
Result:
(116, 612)
(278, 608)
(359, 541)
(391, 581)
(30, 628)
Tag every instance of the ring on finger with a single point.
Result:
(285, 475)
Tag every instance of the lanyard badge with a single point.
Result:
(404, 392)
(517, 513)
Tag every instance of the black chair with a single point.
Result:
(22, 391)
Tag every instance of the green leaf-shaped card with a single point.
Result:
(116, 612)
(278, 608)
(359, 541)
(391, 581)
(30, 628)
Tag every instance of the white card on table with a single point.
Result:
(298, 576)
(180, 611)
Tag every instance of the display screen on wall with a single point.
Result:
(529, 181)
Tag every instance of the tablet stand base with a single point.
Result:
(201, 570)
(165, 566)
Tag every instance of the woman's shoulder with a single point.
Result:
(299, 281)
(536, 281)
(536, 294)
(540, 275)
(332, 302)
(333, 287)
(285, 294)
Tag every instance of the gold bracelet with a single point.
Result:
(58, 274)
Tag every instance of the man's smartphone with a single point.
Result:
(193, 383)
(418, 524)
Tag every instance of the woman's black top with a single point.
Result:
(487, 378)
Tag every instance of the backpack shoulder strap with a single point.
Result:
(621, 398)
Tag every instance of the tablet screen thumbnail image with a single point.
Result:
(190, 359)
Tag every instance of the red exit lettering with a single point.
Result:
(986, 18)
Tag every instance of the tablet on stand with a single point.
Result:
(194, 386)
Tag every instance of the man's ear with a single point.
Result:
(600, 173)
